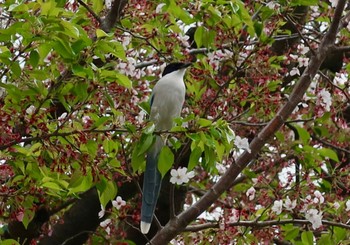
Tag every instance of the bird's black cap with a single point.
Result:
(174, 67)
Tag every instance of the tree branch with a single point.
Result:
(113, 15)
(90, 11)
(176, 225)
(330, 145)
(56, 134)
(336, 86)
(261, 224)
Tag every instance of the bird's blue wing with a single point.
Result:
(151, 183)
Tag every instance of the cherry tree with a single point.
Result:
(260, 154)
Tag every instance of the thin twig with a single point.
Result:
(56, 134)
(144, 39)
(261, 224)
(261, 124)
(90, 11)
(343, 49)
(15, 58)
(300, 34)
(330, 145)
(334, 85)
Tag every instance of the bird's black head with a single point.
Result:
(174, 67)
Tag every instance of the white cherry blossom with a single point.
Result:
(118, 202)
(277, 206)
(102, 212)
(326, 99)
(334, 3)
(273, 5)
(159, 8)
(347, 204)
(303, 61)
(30, 110)
(180, 176)
(289, 204)
(318, 197)
(315, 218)
(303, 49)
(336, 205)
(235, 216)
(242, 143)
(104, 224)
(250, 193)
(294, 71)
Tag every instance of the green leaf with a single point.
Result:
(321, 130)
(100, 33)
(325, 239)
(198, 35)
(165, 161)
(63, 49)
(114, 163)
(196, 153)
(18, 8)
(52, 185)
(97, 6)
(291, 232)
(138, 154)
(204, 122)
(27, 217)
(210, 158)
(81, 71)
(258, 27)
(114, 76)
(180, 13)
(107, 191)
(110, 146)
(48, 8)
(280, 136)
(220, 150)
(307, 238)
(123, 80)
(110, 47)
(303, 134)
(92, 147)
(329, 153)
(34, 58)
(44, 50)
(80, 182)
(16, 69)
(273, 85)
(204, 37)
(70, 29)
(100, 121)
(9, 242)
(339, 234)
(149, 129)
(136, 161)
(145, 143)
(304, 2)
(79, 45)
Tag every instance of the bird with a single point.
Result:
(167, 99)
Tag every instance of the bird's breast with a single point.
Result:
(167, 104)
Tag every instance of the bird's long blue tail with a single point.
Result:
(151, 185)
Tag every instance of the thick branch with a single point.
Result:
(178, 224)
(113, 15)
